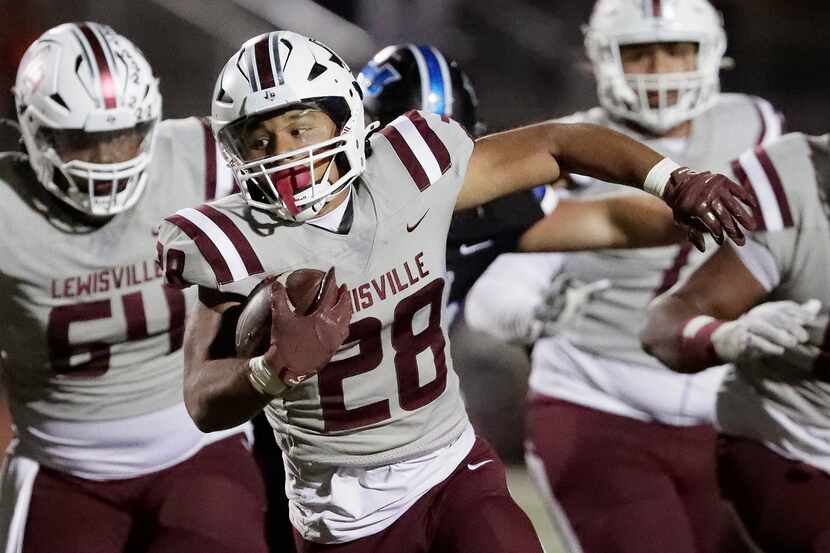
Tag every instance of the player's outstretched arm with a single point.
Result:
(710, 320)
(611, 221)
(217, 392)
(515, 160)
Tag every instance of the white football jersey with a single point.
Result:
(785, 401)
(390, 393)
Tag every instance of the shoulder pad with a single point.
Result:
(204, 246)
(428, 146)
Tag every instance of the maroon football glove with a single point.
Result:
(710, 203)
(301, 345)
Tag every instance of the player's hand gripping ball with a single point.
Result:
(297, 320)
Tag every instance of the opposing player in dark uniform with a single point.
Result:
(106, 458)
(764, 308)
(404, 77)
(378, 450)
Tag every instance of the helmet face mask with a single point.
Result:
(298, 75)
(680, 96)
(87, 104)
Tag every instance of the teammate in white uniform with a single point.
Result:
(378, 449)
(106, 458)
(774, 408)
(593, 389)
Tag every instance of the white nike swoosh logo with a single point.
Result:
(473, 248)
(479, 465)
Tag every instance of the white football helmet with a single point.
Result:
(82, 83)
(273, 72)
(615, 23)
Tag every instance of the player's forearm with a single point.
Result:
(219, 395)
(601, 153)
(663, 337)
(618, 221)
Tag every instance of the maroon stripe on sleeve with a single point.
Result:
(243, 247)
(436, 146)
(740, 174)
(656, 8)
(407, 157)
(206, 247)
(178, 313)
(777, 186)
(672, 274)
(210, 162)
(263, 64)
(763, 134)
(104, 73)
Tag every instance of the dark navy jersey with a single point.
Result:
(478, 235)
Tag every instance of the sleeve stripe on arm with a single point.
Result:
(228, 253)
(766, 184)
(422, 152)
(206, 247)
(771, 123)
(777, 185)
(740, 174)
(210, 162)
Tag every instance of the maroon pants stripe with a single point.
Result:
(629, 486)
(211, 503)
(469, 512)
(784, 504)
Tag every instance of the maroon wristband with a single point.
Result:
(696, 347)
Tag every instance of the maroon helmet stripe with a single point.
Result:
(442, 156)
(265, 72)
(243, 247)
(777, 187)
(104, 73)
(656, 8)
(206, 246)
(407, 157)
(740, 174)
(210, 161)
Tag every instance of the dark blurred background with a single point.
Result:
(524, 56)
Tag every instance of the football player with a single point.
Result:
(378, 449)
(106, 458)
(606, 420)
(764, 308)
(404, 77)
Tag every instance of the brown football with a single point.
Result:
(253, 329)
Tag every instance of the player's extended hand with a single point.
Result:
(301, 345)
(768, 329)
(710, 203)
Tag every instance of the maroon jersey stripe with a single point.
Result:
(442, 156)
(672, 274)
(178, 313)
(263, 64)
(104, 73)
(656, 8)
(210, 162)
(243, 247)
(777, 186)
(407, 157)
(740, 174)
(206, 246)
(763, 134)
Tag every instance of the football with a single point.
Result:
(253, 329)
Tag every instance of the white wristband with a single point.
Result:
(658, 177)
(263, 380)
